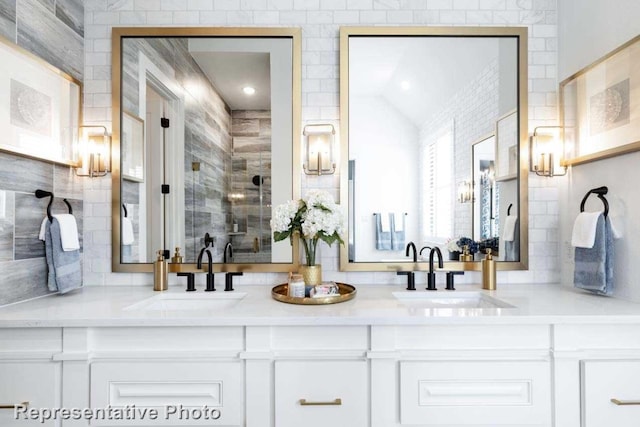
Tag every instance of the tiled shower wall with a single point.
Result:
(320, 22)
(55, 33)
(251, 132)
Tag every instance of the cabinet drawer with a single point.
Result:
(606, 380)
(181, 393)
(35, 382)
(475, 393)
(321, 393)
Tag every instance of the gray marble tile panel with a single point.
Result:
(242, 144)
(265, 127)
(40, 32)
(7, 223)
(8, 19)
(47, 4)
(22, 280)
(34, 174)
(130, 192)
(71, 12)
(255, 114)
(66, 183)
(29, 213)
(245, 127)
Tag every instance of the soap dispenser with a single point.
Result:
(489, 272)
(177, 257)
(160, 273)
(466, 256)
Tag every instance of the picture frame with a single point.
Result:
(600, 115)
(39, 107)
(132, 147)
(506, 132)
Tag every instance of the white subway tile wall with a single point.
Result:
(320, 22)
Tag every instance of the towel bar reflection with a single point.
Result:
(335, 402)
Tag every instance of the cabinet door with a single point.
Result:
(196, 393)
(37, 383)
(605, 380)
(321, 393)
(467, 393)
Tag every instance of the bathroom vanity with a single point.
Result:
(521, 356)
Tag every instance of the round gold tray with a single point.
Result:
(347, 292)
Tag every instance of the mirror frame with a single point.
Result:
(118, 34)
(523, 155)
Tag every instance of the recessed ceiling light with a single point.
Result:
(248, 90)
(405, 85)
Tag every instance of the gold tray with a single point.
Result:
(347, 292)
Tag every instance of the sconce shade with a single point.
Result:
(465, 192)
(94, 151)
(319, 158)
(547, 151)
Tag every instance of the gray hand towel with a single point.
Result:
(65, 272)
(594, 266)
(383, 238)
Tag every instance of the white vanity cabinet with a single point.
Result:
(597, 374)
(610, 393)
(536, 374)
(28, 373)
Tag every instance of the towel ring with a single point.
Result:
(600, 192)
(68, 206)
(41, 194)
(509, 209)
(124, 207)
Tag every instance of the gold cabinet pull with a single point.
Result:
(15, 405)
(335, 402)
(625, 402)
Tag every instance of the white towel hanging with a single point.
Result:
(584, 229)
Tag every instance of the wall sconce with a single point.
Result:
(319, 154)
(465, 192)
(94, 151)
(546, 152)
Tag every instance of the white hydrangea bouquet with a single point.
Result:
(313, 218)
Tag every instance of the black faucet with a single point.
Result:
(228, 280)
(228, 249)
(411, 279)
(191, 282)
(210, 284)
(450, 279)
(423, 248)
(412, 246)
(431, 275)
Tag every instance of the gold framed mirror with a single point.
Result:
(210, 142)
(413, 101)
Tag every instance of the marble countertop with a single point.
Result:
(373, 305)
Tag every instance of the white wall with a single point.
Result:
(590, 29)
(320, 22)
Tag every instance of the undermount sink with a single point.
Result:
(445, 299)
(189, 301)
